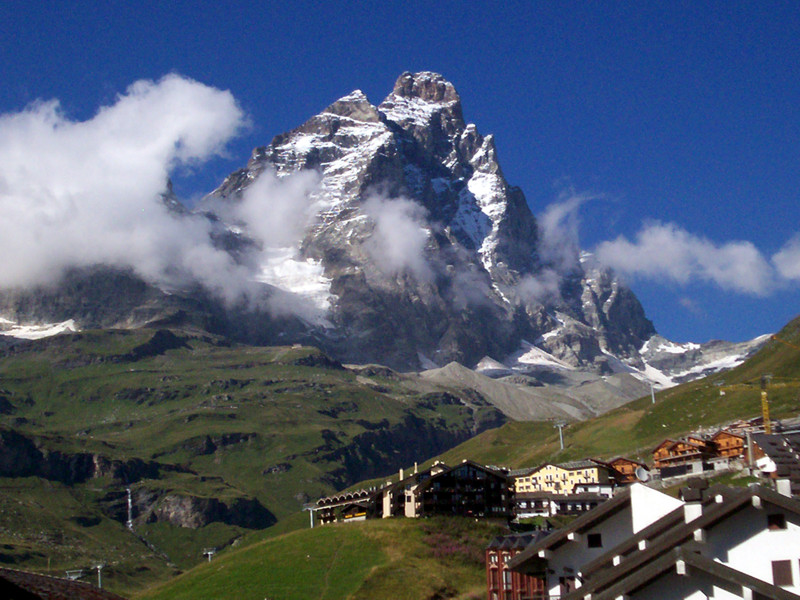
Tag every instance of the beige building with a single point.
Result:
(562, 478)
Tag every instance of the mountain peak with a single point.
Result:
(427, 86)
(355, 106)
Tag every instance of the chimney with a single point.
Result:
(783, 487)
(401, 475)
(415, 468)
(692, 496)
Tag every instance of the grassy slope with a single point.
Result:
(632, 430)
(73, 396)
(636, 428)
(394, 558)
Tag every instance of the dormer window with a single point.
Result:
(776, 521)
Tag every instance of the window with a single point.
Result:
(594, 540)
(507, 580)
(782, 572)
(776, 521)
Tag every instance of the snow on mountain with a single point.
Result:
(479, 285)
(411, 249)
(37, 331)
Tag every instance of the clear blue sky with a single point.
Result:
(682, 113)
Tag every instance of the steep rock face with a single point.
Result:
(474, 288)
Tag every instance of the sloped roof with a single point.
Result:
(489, 470)
(732, 580)
(51, 588)
(681, 534)
(517, 540)
(585, 521)
(626, 459)
(655, 530)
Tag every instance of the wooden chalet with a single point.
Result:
(728, 444)
(670, 453)
(624, 469)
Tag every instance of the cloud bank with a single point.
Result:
(74, 193)
(400, 236)
(666, 251)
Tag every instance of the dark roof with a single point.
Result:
(45, 587)
(726, 577)
(603, 511)
(626, 459)
(680, 534)
(489, 470)
(670, 521)
(517, 540)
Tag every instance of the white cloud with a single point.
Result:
(399, 238)
(82, 193)
(665, 250)
(559, 225)
(539, 288)
(787, 260)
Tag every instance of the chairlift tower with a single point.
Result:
(560, 426)
(99, 567)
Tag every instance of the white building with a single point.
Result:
(718, 543)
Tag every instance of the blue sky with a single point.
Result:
(678, 118)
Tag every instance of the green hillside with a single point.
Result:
(397, 558)
(636, 428)
(213, 440)
(183, 418)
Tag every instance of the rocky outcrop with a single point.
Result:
(376, 452)
(183, 510)
(22, 456)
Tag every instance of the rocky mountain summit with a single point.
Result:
(408, 249)
(478, 283)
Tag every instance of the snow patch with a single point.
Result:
(531, 355)
(283, 269)
(36, 332)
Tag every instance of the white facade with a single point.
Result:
(649, 505)
(745, 542)
(645, 507)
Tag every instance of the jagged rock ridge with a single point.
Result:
(478, 295)
(473, 278)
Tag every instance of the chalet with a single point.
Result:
(559, 557)
(728, 444)
(562, 478)
(21, 585)
(693, 448)
(347, 506)
(624, 470)
(467, 489)
(503, 583)
(717, 542)
(661, 453)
